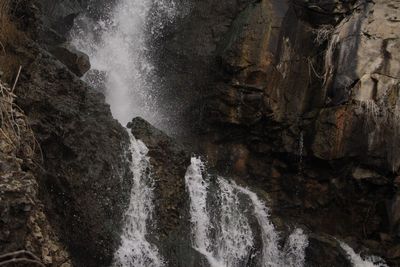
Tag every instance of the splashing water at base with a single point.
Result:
(135, 250)
(358, 261)
(233, 236)
(294, 249)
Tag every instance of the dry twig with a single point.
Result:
(21, 256)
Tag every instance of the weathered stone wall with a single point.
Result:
(299, 99)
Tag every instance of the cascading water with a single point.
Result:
(223, 220)
(135, 250)
(233, 236)
(118, 49)
(235, 240)
(358, 261)
(200, 219)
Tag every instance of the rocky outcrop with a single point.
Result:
(325, 251)
(361, 69)
(75, 60)
(83, 178)
(169, 161)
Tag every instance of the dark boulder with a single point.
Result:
(78, 62)
(325, 251)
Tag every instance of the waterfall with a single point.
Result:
(117, 45)
(135, 250)
(233, 241)
(357, 261)
(200, 219)
(119, 53)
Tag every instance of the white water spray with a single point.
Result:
(200, 219)
(135, 250)
(234, 238)
(118, 50)
(358, 261)
(294, 249)
(270, 238)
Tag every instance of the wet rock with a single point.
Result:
(178, 55)
(395, 215)
(169, 161)
(325, 251)
(78, 62)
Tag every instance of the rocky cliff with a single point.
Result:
(82, 177)
(297, 99)
(300, 99)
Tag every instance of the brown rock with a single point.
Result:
(394, 252)
(78, 62)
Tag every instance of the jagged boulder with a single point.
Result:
(77, 61)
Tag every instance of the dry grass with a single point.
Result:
(323, 33)
(16, 137)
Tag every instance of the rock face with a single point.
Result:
(83, 178)
(23, 225)
(187, 49)
(300, 99)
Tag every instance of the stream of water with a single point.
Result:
(229, 239)
(117, 46)
(358, 261)
(135, 250)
